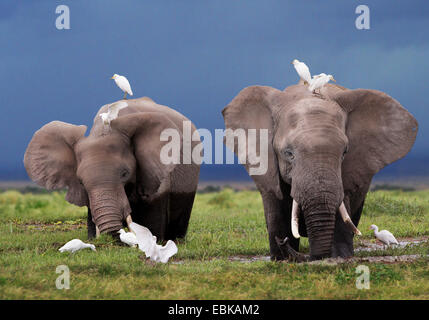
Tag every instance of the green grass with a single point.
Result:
(223, 224)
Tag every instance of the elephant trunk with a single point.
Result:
(319, 196)
(109, 208)
(319, 215)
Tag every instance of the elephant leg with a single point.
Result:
(180, 213)
(343, 237)
(343, 240)
(90, 225)
(277, 217)
(153, 215)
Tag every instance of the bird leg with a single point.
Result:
(125, 96)
(319, 93)
(288, 252)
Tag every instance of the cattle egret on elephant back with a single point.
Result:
(147, 244)
(319, 81)
(76, 245)
(123, 84)
(112, 111)
(302, 70)
(384, 236)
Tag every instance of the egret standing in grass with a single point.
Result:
(384, 236)
(76, 245)
(319, 81)
(302, 70)
(123, 84)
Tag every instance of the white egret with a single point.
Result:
(302, 70)
(384, 236)
(147, 244)
(123, 84)
(112, 112)
(76, 245)
(128, 238)
(319, 81)
(319, 75)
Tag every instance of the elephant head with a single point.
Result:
(323, 149)
(104, 170)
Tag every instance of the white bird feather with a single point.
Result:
(76, 245)
(318, 81)
(147, 243)
(302, 70)
(123, 84)
(112, 111)
(384, 236)
(319, 75)
(128, 238)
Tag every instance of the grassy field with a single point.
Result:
(223, 224)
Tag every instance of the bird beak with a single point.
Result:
(112, 77)
(334, 80)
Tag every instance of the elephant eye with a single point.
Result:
(124, 173)
(288, 153)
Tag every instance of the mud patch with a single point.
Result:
(368, 246)
(376, 259)
(362, 246)
(329, 261)
(247, 259)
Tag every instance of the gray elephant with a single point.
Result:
(116, 171)
(323, 151)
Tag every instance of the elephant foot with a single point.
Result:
(289, 253)
(343, 250)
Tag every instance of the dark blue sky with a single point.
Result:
(196, 56)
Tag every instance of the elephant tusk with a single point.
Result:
(295, 217)
(97, 232)
(129, 220)
(346, 218)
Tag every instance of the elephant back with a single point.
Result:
(144, 104)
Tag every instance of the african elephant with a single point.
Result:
(323, 150)
(116, 171)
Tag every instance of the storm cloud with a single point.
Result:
(195, 56)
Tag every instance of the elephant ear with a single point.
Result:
(251, 109)
(380, 131)
(50, 159)
(144, 131)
